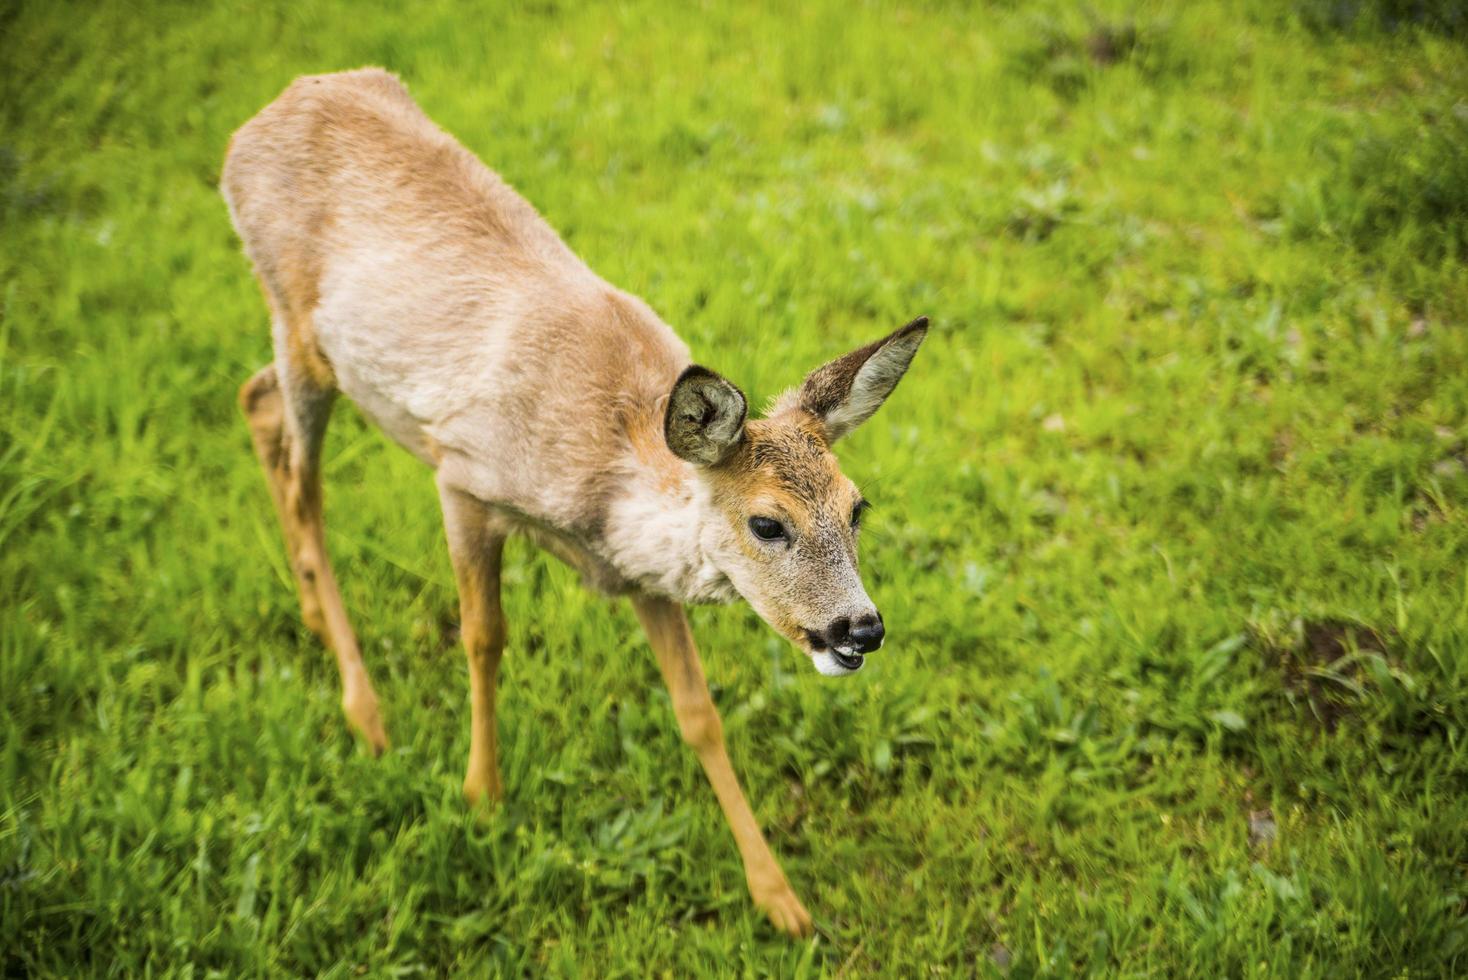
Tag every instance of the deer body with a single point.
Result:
(401, 271)
(442, 314)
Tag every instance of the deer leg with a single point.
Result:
(699, 723)
(476, 545)
(265, 413)
(287, 425)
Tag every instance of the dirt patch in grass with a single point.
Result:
(1066, 52)
(1319, 663)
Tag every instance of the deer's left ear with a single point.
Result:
(704, 421)
(844, 393)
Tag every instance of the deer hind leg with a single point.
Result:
(698, 721)
(265, 414)
(287, 415)
(476, 546)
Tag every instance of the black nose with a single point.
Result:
(864, 634)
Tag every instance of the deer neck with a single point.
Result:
(658, 518)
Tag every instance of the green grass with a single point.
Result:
(1170, 524)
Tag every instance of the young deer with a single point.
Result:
(400, 270)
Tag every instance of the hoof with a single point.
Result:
(485, 790)
(362, 714)
(785, 912)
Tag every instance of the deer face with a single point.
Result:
(784, 520)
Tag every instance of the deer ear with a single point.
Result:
(846, 392)
(705, 418)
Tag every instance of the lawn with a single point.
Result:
(1169, 526)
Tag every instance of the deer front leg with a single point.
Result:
(476, 545)
(698, 721)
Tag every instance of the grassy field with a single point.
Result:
(1169, 531)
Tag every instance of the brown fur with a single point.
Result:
(400, 270)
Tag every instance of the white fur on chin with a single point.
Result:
(828, 665)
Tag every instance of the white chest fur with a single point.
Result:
(654, 538)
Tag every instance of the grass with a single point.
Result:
(1170, 525)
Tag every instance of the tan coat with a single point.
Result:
(404, 273)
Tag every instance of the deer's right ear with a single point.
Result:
(705, 418)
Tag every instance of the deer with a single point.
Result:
(401, 271)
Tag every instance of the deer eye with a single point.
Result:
(861, 508)
(767, 528)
